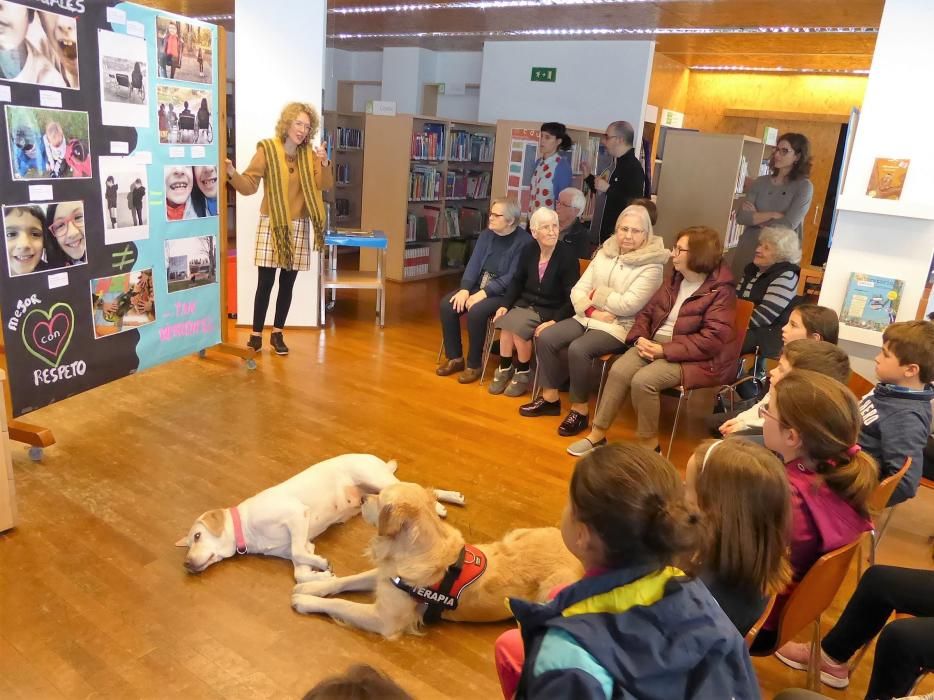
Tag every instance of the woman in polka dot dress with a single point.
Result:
(553, 168)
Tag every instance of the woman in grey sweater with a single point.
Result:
(779, 199)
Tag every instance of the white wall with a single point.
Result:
(296, 49)
(352, 65)
(597, 82)
(882, 237)
(400, 76)
(459, 68)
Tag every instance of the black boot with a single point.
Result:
(255, 342)
(278, 345)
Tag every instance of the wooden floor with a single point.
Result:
(94, 601)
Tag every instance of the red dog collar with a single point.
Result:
(238, 530)
(444, 595)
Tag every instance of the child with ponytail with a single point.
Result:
(635, 625)
(813, 422)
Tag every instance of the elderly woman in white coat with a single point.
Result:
(624, 274)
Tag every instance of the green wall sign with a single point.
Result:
(544, 75)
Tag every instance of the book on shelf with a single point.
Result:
(452, 227)
(424, 183)
(482, 147)
(470, 221)
(432, 216)
(478, 185)
(342, 173)
(428, 144)
(342, 208)
(470, 185)
(416, 261)
(734, 230)
(743, 174)
(871, 302)
(349, 138)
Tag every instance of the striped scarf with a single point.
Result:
(277, 188)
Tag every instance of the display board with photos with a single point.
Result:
(108, 192)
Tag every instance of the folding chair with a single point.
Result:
(487, 348)
(744, 310)
(859, 385)
(810, 598)
(878, 506)
(754, 630)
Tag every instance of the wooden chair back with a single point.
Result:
(582, 265)
(744, 309)
(879, 500)
(859, 385)
(754, 630)
(816, 591)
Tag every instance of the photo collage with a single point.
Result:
(167, 89)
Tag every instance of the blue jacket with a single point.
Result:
(638, 632)
(896, 425)
(497, 286)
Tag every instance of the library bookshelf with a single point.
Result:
(511, 160)
(343, 132)
(427, 186)
(703, 180)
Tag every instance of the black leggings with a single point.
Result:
(905, 647)
(266, 278)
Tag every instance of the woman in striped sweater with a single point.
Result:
(770, 282)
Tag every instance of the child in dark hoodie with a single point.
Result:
(897, 412)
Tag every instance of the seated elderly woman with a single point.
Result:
(622, 277)
(486, 277)
(684, 336)
(538, 296)
(770, 282)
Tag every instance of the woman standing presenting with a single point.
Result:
(781, 198)
(553, 168)
(294, 176)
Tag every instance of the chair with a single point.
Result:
(754, 630)
(878, 504)
(744, 309)
(487, 348)
(807, 603)
(186, 122)
(859, 385)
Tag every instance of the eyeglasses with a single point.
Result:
(764, 413)
(302, 126)
(784, 151)
(677, 250)
(626, 230)
(60, 226)
(499, 216)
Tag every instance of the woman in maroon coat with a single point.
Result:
(683, 336)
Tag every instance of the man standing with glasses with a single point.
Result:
(619, 184)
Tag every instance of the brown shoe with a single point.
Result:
(450, 367)
(469, 375)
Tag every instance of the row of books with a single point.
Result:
(349, 138)
(341, 208)
(467, 185)
(431, 223)
(743, 174)
(416, 261)
(587, 153)
(424, 184)
(342, 173)
(466, 146)
(429, 143)
(734, 230)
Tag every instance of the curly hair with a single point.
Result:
(784, 241)
(289, 114)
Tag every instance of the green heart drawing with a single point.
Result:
(48, 339)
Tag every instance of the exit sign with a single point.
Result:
(544, 75)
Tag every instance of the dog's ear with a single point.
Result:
(392, 518)
(182, 542)
(214, 521)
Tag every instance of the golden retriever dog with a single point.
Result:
(413, 550)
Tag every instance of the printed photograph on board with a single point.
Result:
(122, 302)
(44, 237)
(124, 188)
(190, 262)
(184, 115)
(124, 76)
(190, 192)
(48, 143)
(37, 46)
(184, 50)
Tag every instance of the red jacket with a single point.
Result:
(703, 342)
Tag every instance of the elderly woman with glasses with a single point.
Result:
(538, 297)
(623, 276)
(684, 336)
(781, 198)
(292, 215)
(485, 280)
(770, 282)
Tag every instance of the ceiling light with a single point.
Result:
(604, 31)
(780, 69)
(215, 18)
(472, 5)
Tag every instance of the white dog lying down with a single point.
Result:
(414, 578)
(283, 520)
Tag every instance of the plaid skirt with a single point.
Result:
(301, 245)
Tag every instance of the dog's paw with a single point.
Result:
(455, 497)
(307, 604)
(441, 510)
(321, 586)
(304, 573)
